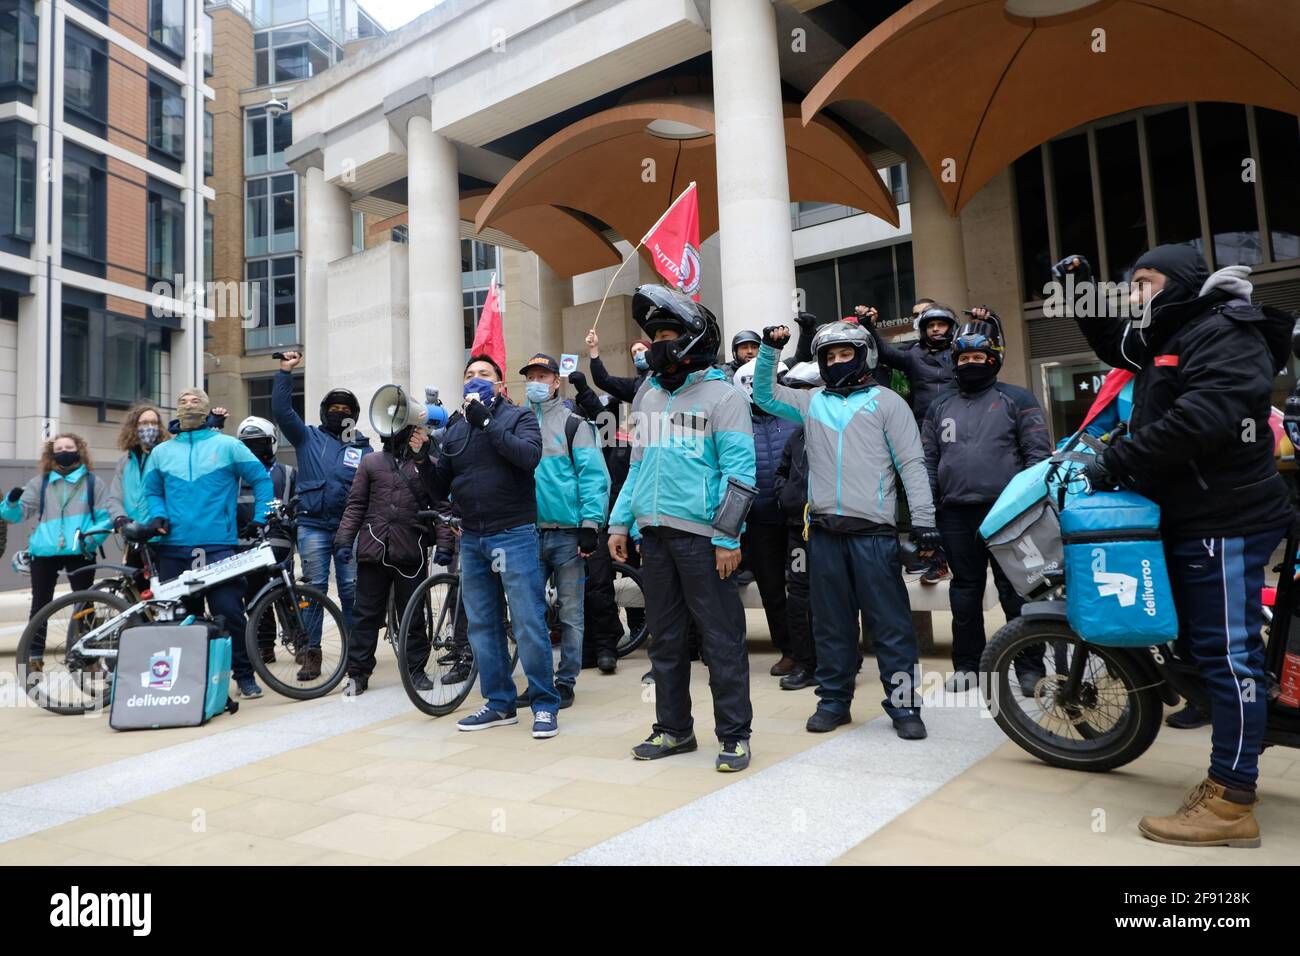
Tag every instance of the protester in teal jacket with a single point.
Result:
(572, 498)
(65, 498)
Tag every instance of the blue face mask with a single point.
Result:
(482, 388)
(641, 362)
(538, 392)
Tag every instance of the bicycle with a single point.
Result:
(441, 691)
(68, 651)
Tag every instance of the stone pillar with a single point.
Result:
(753, 183)
(938, 253)
(326, 236)
(433, 236)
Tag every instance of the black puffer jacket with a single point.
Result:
(380, 513)
(791, 483)
(621, 388)
(1200, 445)
(771, 434)
(929, 372)
(488, 472)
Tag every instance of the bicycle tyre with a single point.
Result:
(636, 636)
(439, 643)
(23, 655)
(266, 604)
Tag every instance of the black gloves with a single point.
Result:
(1099, 476)
(442, 556)
(250, 531)
(806, 320)
(586, 541)
(477, 414)
(776, 336)
(578, 381)
(120, 522)
(14, 495)
(159, 526)
(1080, 266)
(926, 540)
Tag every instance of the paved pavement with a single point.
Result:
(373, 781)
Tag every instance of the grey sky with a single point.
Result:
(395, 13)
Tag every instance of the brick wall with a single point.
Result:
(128, 227)
(128, 101)
(131, 19)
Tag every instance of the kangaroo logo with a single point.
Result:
(161, 674)
(1030, 556)
(1123, 586)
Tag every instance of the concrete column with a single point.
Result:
(326, 236)
(938, 253)
(433, 236)
(753, 183)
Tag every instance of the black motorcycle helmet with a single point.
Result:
(744, 335)
(978, 336)
(936, 313)
(656, 307)
(343, 397)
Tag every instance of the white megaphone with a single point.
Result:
(392, 409)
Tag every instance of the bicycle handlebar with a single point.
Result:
(438, 517)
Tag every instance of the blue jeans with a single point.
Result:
(852, 573)
(511, 555)
(225, 600)
(560, 559)
(316, 551)
(1217, 584)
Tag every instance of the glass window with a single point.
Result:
(74, 379)
(83, 205)
(166, 117)
(274, 289)
(1071, 390)
(113, 359)
(266, 140)
(207, 44)
(255, 218)
(898, 183)
(867, 278)
(18, 43)
(291, 63)
(259, 403)
(817, 280)
(358, 231)
(207, 144)
(1124, 217)
(1279, 170)
(167, 24)
(207, 247)
(270, 215)
(1076, 221)
(166, 238)
(1173, 178)
(906, 277)
(17, 187)
(85, 76)
(263, 61)
(1234, 222)
(283, 220)
(1031, 213)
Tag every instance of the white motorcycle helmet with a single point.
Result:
(744, 377)
(253, 427)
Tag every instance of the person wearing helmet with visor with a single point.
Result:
(259, 437)
(744, 348)
(976, 440)
(688, 490)
(860, 439)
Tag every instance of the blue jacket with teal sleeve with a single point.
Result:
(685, 445)
(69, 508)
(126, 494)
(572, 489)
(193, 482)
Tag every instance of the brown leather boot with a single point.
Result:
(1207, 818)
(310, 664)
(782, 667)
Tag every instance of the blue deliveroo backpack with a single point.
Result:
(1117, 589)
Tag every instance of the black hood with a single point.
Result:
(1182, 265)
(1274, 324)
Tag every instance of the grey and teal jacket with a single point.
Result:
(70, 506)
(572, 483)
(685, 445)
(126, 494)
(858, 444)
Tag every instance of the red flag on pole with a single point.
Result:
(674, 243)
(489, 337)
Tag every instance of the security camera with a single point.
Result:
(275, 107)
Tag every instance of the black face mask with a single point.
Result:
(975, 376)
(843, 375)
(333, 422)
(66, 459)
(661, 358)
(261, 448)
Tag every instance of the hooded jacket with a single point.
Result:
(326, 465)
(1200, 444)
(488, 472)
(572, 484)
(975, 443)
(685, 445)
(791, 482)
(380, 516)
(193, 482)
(126, 493)
(857, 445)
(928, 371)
(68, 509)
(770, 436)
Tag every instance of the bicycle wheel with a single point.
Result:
(54, 675)
(437, 677)
(630, 602)
(275, 611)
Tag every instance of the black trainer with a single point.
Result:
(566, 695)
(1189, 718)
(607, 662)
(664, 745)
(910, 727)
(824, 721)
(798, 679)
